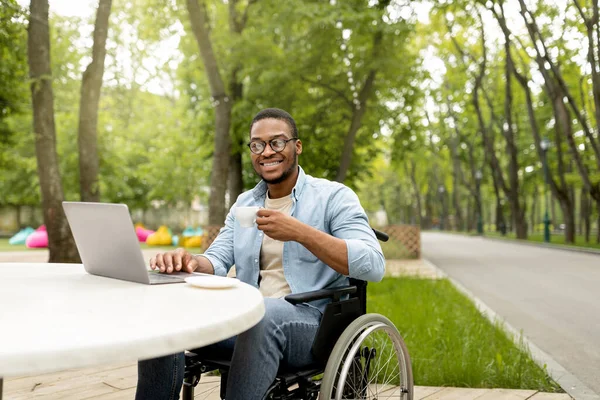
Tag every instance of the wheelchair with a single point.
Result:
(358, 355)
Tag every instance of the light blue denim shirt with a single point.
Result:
(328, 206)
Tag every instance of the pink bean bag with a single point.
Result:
(38, 239)
(142, 233)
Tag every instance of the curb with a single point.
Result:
(545, 245)
(567, 381)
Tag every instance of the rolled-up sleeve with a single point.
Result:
(348, 221)
(220, 253)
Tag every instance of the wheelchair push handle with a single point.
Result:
(384, 237)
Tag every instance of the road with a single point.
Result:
(552, 295)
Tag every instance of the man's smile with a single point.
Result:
(271, 163)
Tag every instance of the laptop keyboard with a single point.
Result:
(156, 277)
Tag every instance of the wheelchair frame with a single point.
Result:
(348, 303)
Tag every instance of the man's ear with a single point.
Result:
(298, 146)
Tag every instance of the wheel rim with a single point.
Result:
(379, 374)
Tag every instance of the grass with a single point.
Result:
(450, 342)
(4, 246)
(554, 239)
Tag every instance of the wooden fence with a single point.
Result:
(210, 233)
(405, 242)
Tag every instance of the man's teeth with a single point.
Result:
(271, 163)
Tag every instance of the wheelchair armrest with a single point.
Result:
(333, 293)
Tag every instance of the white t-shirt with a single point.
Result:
(272, 279)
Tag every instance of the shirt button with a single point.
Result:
(256, 260)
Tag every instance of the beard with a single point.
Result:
(286, 174)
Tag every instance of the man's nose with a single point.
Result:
(268, 150)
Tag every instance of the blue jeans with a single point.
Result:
(282, 338)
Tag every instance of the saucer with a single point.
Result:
(211, 281)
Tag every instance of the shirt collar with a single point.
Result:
(260, 190)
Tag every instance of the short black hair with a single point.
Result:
(276, 113)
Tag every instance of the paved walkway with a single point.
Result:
(551, 295)
(118, 381)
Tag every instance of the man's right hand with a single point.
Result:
(173, 261)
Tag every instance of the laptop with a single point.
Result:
(108, 245)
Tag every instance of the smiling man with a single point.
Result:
(310, 234)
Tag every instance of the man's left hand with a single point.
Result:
(278, 226)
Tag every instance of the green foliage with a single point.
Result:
(13, 68)
(420, 130)
(18, 180)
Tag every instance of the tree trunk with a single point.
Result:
(479, 205)
(488, 139)
(598, 222)
(470, 215)
(427, 222)
(585, 214)
(533, 209)
(222, 104)
(237, 23)
(456, 171)
(569, 220)
(60, 241)
(553, 219)
(91, 85)
(413, 181)
(517, 209)
(236, 181)
(444, 215)
(357, 114)
(500, 219)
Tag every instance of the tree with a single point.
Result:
(559, 189)
(88, 108)
(564, 102)
(360, 105)
(60, 241)
(222, 105)
(510, 185)
(237, 22)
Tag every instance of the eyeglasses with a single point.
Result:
(258, 146)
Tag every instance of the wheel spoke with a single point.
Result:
(371, 362)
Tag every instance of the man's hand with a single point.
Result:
(176, 260)
(279, 226)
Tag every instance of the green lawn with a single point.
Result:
(450, 342)
(4, 246)
(554, 239)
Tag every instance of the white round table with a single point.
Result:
(56, 316)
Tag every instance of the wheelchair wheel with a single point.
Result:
(369, 361)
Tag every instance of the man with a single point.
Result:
(312, 234)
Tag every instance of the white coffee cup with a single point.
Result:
(246, 216)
